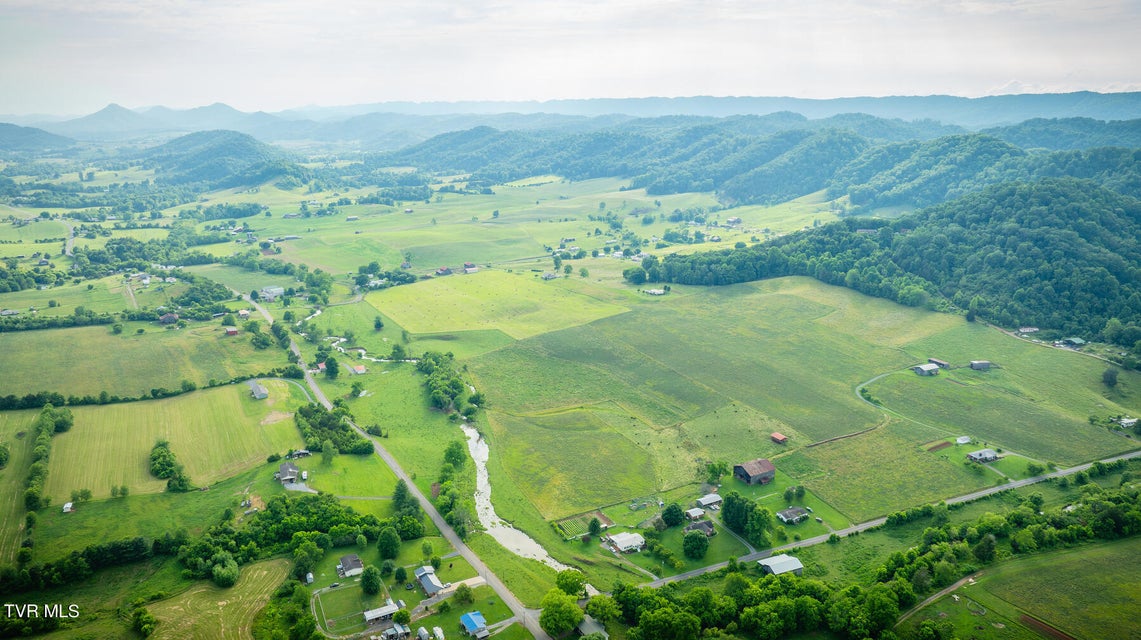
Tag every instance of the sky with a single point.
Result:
(71, 58)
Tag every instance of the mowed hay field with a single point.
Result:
(214, 433)
(88, 360)
(518, 304)
(558, 460)
(12, 479)
(207, 611)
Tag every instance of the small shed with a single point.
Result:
(437, 633)
(980, 365)
(939, 363)
(709, 501)
(231, 331)
(381, 613)
(782, 563)
(926, 369)
(68, 507)
(309, 578)
(963, 440)
(779, 437)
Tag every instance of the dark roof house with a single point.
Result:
(792, 515)
(351, 565)
(287, 472)
(704, 526)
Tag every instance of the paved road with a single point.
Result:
(863, 526)
(528, 617)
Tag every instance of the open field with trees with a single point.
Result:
(215, 433)
(1084, 592)
(206, 610)
(12, 479)
(156, 358)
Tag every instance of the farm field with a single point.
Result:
(1088, 592)
(517, 304)
(56, 533)
(214, 433)
(207, 611)
(242, 279)
(140, 362)
(12, 478)
(1052, 389)
(349, 475)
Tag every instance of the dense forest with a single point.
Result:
(1060, 254)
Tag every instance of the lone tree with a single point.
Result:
(694, 545)
(595, 527)
(328, 450)
(388, 543)
(464, 595)
(1109, 377)
(560, 613)
(370, 580)
(673, 515)
(571, 582)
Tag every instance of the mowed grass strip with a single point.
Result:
(215, 433)
(515, 303)
(879, 472)
(559, 461)
(207, 611)
(12, 478)
(88, 360)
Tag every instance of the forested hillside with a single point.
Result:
(217, 160)
(14, 138)
(767, 159)
(1059, 254)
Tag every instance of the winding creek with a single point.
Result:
(511, 538)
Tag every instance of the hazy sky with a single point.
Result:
(74, 57)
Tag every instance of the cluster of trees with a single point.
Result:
(165, 466)
(319, 425)
(455, 508)
(747, 518)
(445, 388)
(373, 271)
(287, 615)
(49, 422)
(80, 317)
(76, 566)
(222, 211)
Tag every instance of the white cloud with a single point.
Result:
(271, 54)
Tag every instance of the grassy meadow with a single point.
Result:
(207, 611)
(12, 477)
(128, 364)
(215, 433)
(1087, 592)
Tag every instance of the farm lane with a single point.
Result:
(936, 596)
(528, 617)
(863, 526)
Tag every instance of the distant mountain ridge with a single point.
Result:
(392, 125)
(217, 160)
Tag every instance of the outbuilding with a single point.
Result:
(627, 542)
(759, 471)
(980, 365)
(709, 501)
(928, 369)
(783, 563)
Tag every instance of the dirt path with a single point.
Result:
(936, 596)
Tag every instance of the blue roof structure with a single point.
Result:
(473, 622)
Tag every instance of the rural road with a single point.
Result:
(529, 618)
(863, 526)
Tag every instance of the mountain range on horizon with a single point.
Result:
(391, 125)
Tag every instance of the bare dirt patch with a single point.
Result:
(1045, 629)
(275, 416)
(257, 503)
(937, 447)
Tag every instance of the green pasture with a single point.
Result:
(214, 433)
(12, 477)
(1005, 408)
(786, 217)
(106, 295)
(1012, 466)
(517, 304)
(207, 611)
(25, 235)
(528, 579)
(146, 514)
(879, 472)
(771, 496)
(99, 242)
(349, 475)
(463, 344)
(1087, 592)
(721, 547)
(339, 609)
(242, 279)
(737, 432)
(129, 364)
(568, 482)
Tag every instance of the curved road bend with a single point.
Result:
(863, 526)
(529, 618)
